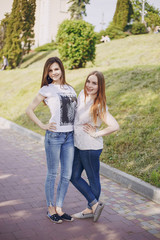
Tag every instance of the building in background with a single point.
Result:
(49, 14)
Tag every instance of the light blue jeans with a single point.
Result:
(59, 147)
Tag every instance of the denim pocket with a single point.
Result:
(53, 134)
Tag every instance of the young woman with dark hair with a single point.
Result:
(90, 113)
(59, 146)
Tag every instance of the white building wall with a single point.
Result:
(49, 14)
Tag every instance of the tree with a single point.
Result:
(76, 43)
(3, 29)
(137, 8)
(12, 47)
(28, 16)
(122, 14)
(19, 34)
(152, 20)
(78, 8)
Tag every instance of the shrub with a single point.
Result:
(115, 32)
(46, 47)
(138, 28)
(76, 41)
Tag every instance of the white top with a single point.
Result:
(61, 100)
(83, 140)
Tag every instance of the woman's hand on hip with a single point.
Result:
(50, 126)
(88, 128)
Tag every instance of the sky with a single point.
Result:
(99, 12)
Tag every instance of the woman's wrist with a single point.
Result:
(41, 125)
(94, 134)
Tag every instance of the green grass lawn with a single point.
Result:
(132, 71)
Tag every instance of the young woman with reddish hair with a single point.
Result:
(90, 113)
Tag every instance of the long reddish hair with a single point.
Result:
(45, 77)
(99, 105)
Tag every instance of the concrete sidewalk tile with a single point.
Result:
(135, 229)
(7, 236)
(11, 220)
(80, 238)
(157, 235)
(109, 210)
(29, 225)
(38, 204)
(141, 237)
(24, 234)
(8, 228)
(23, 206)
(5, 209)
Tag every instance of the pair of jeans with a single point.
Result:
(59, 147)
(87, 160)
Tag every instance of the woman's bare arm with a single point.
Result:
(109, 120)
(30, 112)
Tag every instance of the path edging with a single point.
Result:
(23, 131)
(127, 180)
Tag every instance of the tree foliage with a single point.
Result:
(3, 29)
(28, 18)
(19, 33)
(137, 9)
(78, 8)
(122, 14)
(152, 20)
(76, 43)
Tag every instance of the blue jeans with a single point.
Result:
(87, 160)
(59, 147)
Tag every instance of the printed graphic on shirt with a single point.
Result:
(67, 109)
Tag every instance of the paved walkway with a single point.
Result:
(126, 216)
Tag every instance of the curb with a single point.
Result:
(6, 124)
(129, 181)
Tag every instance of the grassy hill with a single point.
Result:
(132, 71)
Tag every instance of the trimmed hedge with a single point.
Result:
(76, 41)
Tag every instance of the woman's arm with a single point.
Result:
(30, 112)
(109, 120)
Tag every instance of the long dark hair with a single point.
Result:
(99, 105)
(45, 77)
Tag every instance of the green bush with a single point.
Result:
(138, 28)
(46, 47)
(76, 41)
(115, 32)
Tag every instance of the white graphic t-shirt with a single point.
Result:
(61, 100)
(83, 140)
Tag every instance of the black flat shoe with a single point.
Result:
(66, 217)
(54, 218)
